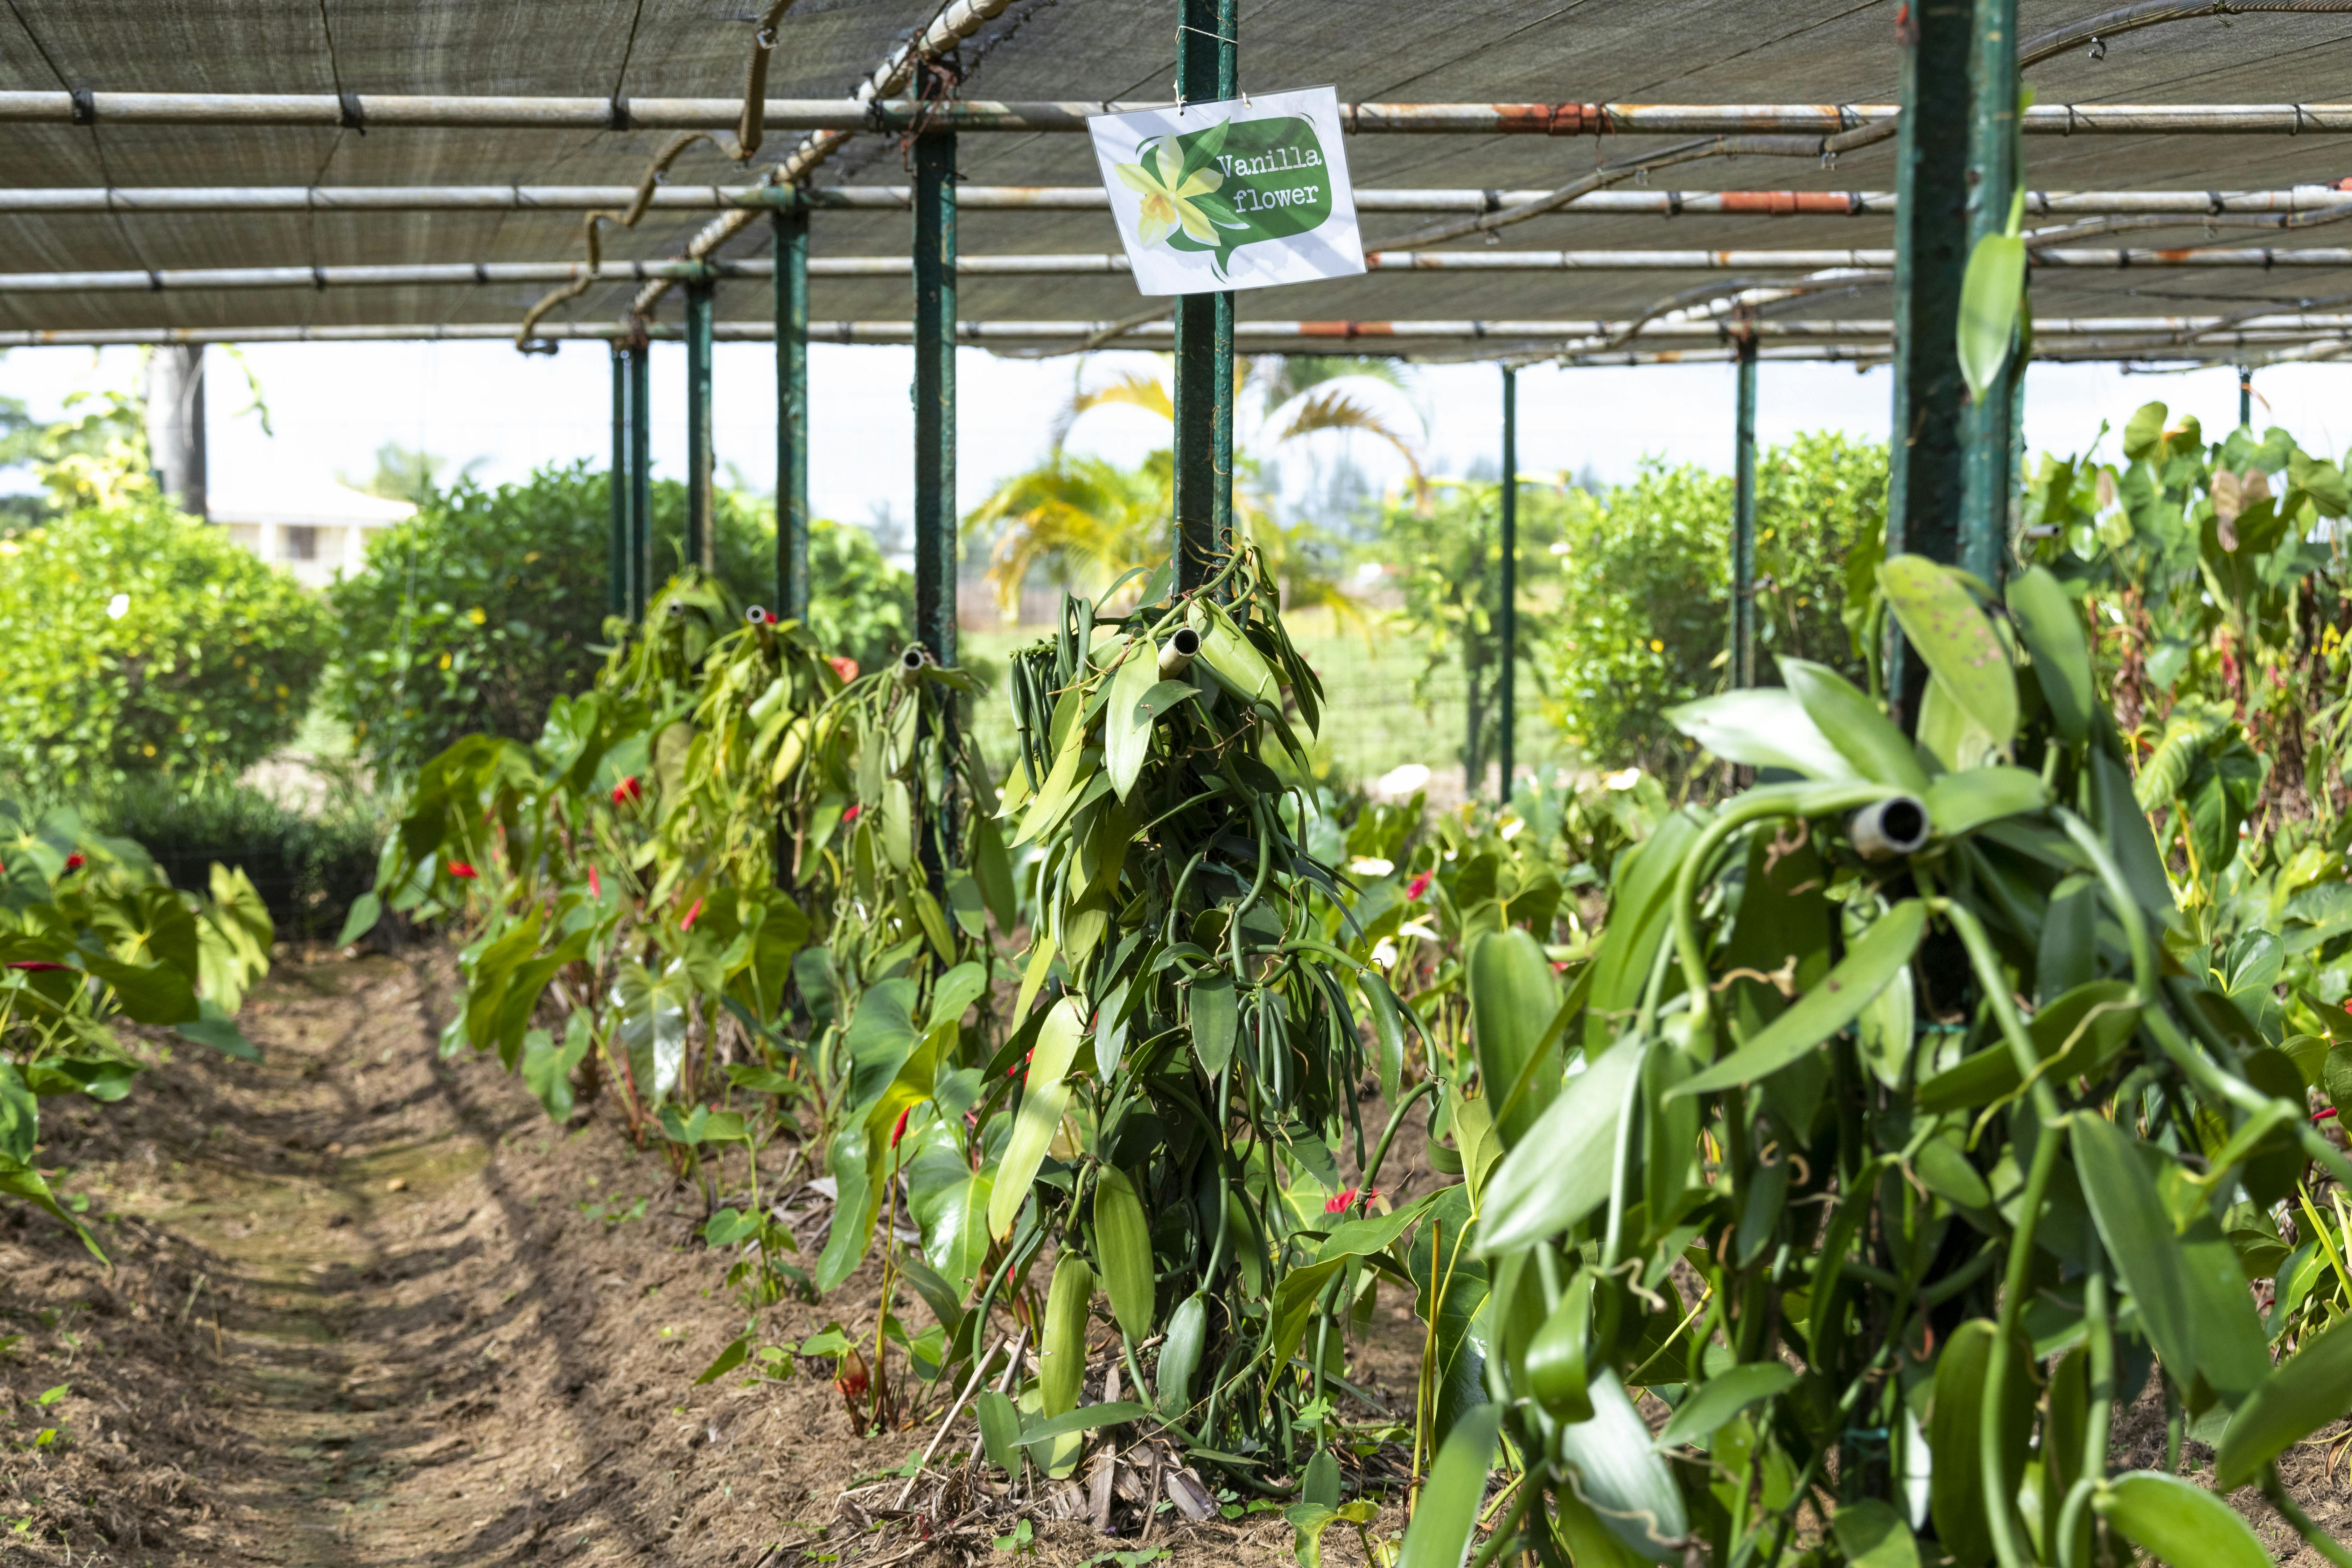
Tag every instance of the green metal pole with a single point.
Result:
(1206, 68)
(1743, 522)
(616, 555)
(1987, 486)
(1506, 619)
(935, 391)
(791, 410)
(641, 479)
(702, 549)
(1923, 481)
(2245, 396)
(935, 454)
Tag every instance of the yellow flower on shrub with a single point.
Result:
(1167, 204)
(475, 615)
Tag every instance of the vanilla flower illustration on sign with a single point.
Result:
(1243, 194)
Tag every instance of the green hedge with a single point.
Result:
(490, 604)
(1643, 618)
(142, 641)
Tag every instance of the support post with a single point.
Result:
(935, 455)
(701, 547)
(791, 410)
(617, 591)
(2245, 397)
(1207, 67)
(642, 571)
(175, 425)
(1988, 485)
(1743, 520)
(1507, 618)
(1923, 482)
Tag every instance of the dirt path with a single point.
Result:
(370, 1307)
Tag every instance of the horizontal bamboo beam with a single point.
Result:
(447, 111)
(1824, 265)
(1304, 336)
(132, 200)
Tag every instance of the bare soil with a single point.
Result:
(368, 1307)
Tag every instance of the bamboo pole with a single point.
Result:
(135, 200)
(955, 21)
(876, 110)
(460, 274)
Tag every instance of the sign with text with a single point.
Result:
(1240, 194)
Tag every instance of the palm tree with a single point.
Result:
(1085, 521)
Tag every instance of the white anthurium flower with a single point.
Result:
(1513, 828)
(1400, 782)
(1623, 779)
(1371, 866)
(1384, 952)
(1418, 928)
(118, 607)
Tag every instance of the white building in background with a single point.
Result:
(312, 528)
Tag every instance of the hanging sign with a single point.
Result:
(1239, 194)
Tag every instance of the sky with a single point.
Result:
(333, 405)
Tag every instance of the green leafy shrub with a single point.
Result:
(142, 641)
(307, 866)
(1645, 590)
(477, 613)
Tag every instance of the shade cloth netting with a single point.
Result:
(1685, 51)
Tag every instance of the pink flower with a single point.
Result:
(37, 964)
(900, 1130)
(74, 862)
(844, 668)
(1415, 889)
(688, 923)
(596, 887)
(851, 815)
(628, 792)
(462, 871)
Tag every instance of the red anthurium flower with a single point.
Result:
(844, 668)
(628, 792)
(1340, 1202)
(1015, 1070)
(1415, 889)
(74, 862)
(900, 1130)
(691, 915)
(851, 815)
(462, 871)
(38, 963)
(596, 887)
(2316, 1116)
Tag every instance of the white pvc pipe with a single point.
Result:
(2277, 327)
(1819, 265)
(135, 199)
(370, 110)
